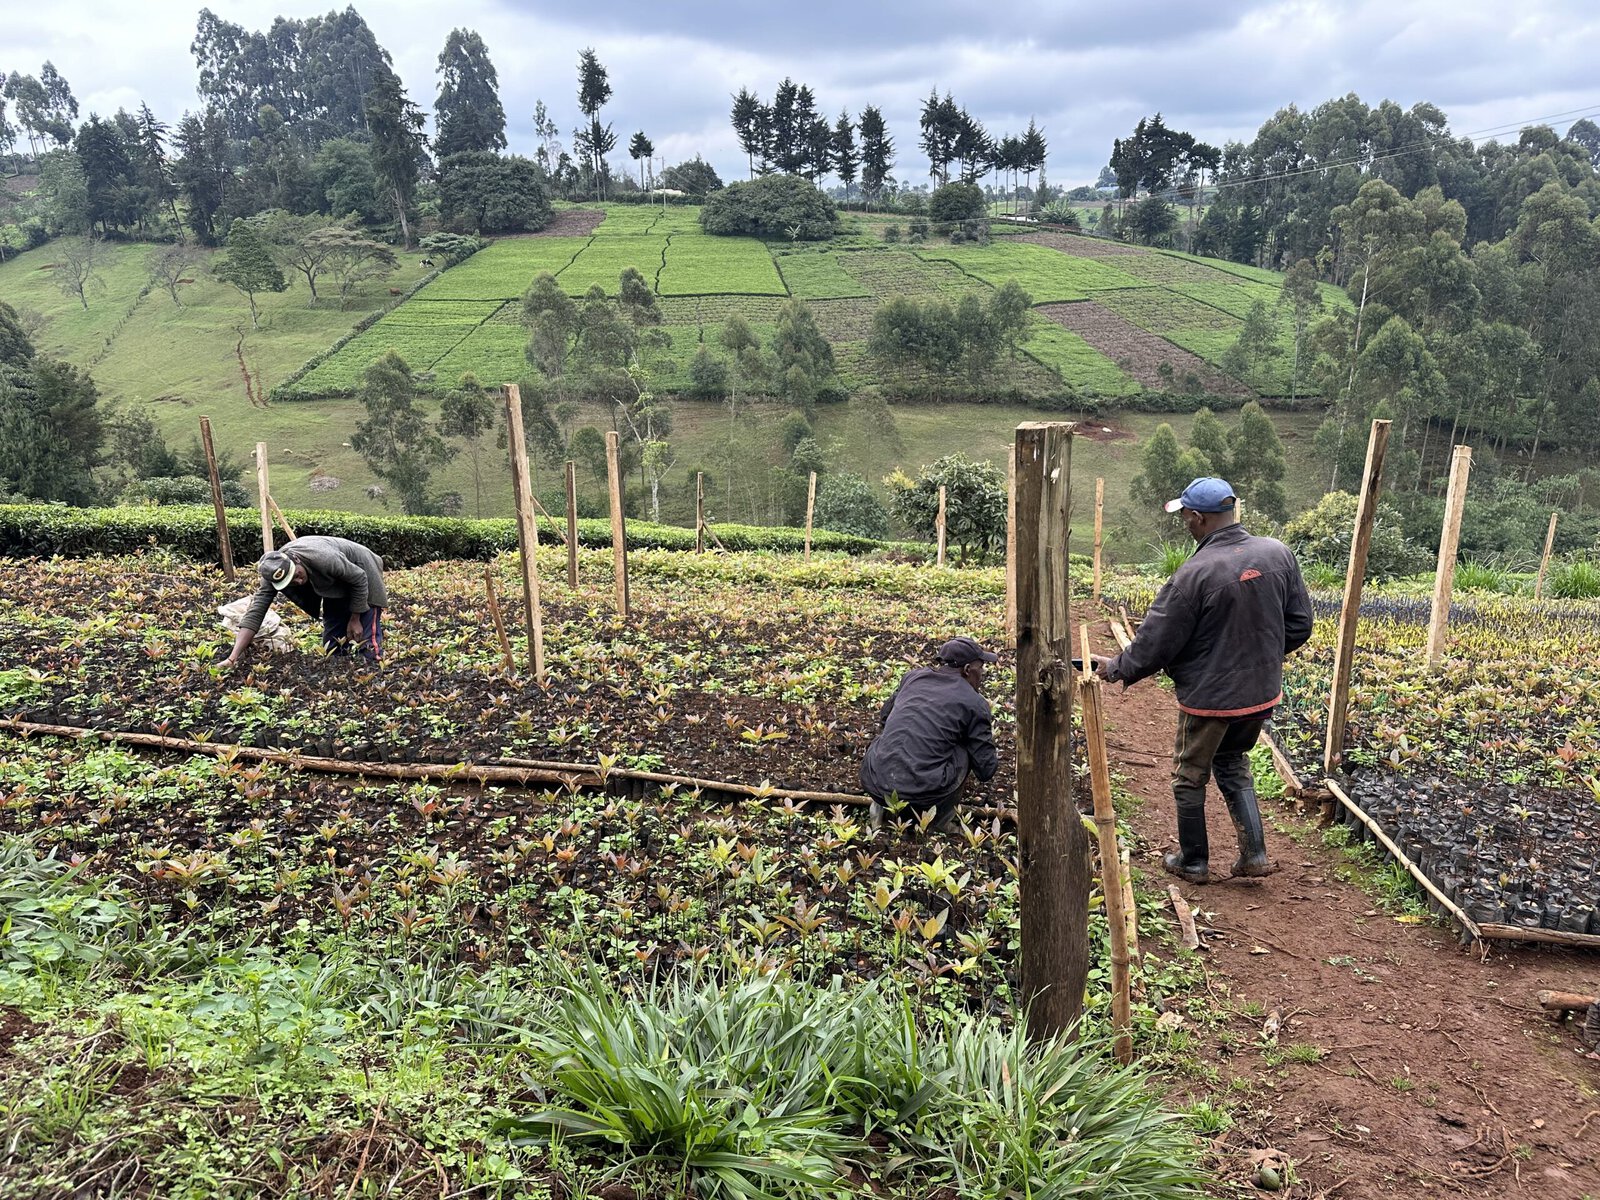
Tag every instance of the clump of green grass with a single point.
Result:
(1577, 579)
(1474, 576)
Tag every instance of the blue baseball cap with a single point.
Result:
(1208, 495)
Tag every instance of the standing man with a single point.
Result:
(1220, 628)
(333, 578)
(936, 729)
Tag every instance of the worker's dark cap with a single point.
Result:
(277, 568)
(1210, 495)
(958, 652)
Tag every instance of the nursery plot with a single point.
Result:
(844, 320)
(1161, 311)
(706, 311)
(1075, 360)
(1046, 275)
(420, 345)
(888, 273)
(1168, 269)
(1234, 298)
(1135, 351)
(700, 264)
(1083, 247)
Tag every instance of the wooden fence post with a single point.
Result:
(1444, 579)
(1355, 576)
(572, 523)
(527, 529)
(264, 496)
(224, 546)
(699, 512)
(1052, 846)
(811, 509)
(1011, 546)
(619, 528)
(1544, 562)
(938, 524)
(1105, 822)
(1099, 521)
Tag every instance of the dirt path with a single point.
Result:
(1138, 352)
(1440, 1074)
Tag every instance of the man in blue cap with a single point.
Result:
(1220, 628)
(936, 729)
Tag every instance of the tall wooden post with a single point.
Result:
(1544, 562)
(811, 510)
(224, 546)
(699, 512)
(1105, 822)
(1011, 545)
(264, 496)
(1360, 542)
(1444, 579)
(527, 529)
(619, 528)
(572, 523)
(1099, 522)
(1052, 846)
(939, 524)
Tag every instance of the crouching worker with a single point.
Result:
(936, 729)
(337, 580)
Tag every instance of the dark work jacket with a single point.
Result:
(935, 729)
(1222, 625)
(336, 569)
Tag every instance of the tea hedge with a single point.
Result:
(38, 530)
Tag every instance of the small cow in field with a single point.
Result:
(427, 262)
(395, 292)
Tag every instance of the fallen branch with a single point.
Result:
(1565, 1002)
(1180, 906)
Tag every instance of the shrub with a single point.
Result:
(1322, 534)
(846, 503)
(774, 206)
(891, 233)
(44, 530)
(956, 202)
(183, 489)
(975, 503)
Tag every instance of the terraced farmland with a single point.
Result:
(1145, 307)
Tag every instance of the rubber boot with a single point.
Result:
(1191, 863)
(1252, 862)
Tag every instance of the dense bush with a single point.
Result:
(32, 530)
(480, 192)
(1322, 534)
(956, 202)
(183, 489)
(847, 503)
(774, 206)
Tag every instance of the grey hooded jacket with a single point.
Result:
(336, 569)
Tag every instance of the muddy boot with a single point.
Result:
(1190, 864)
(1252, 862)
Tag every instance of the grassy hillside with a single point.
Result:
(182, 362)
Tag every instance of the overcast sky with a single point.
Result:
(1085, 71)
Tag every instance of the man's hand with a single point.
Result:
(353, 629)
(1099, 662)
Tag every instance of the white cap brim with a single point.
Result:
(1173, 506)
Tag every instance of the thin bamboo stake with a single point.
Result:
(1449, 541)
(282, 520)
(1099, 521)
(1130, 906)
(572, 524)
(1544, 561)
(811, 509)
(224, 546)
(700, 512)
(619, 526)
(261, 490)
(1105, 821)
(1011, 546)
(1345, 645)
(499, 621)
(939, 524)
(527, 530)
(1415, 871)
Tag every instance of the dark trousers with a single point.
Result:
(335, 631)
(1208, 747)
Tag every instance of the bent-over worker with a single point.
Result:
(331, 578)
(936, 729)
(1220, 628)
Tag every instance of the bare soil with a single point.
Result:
(1440, 1074)
(572, 222)
(1082, 247)
(1138, 352)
